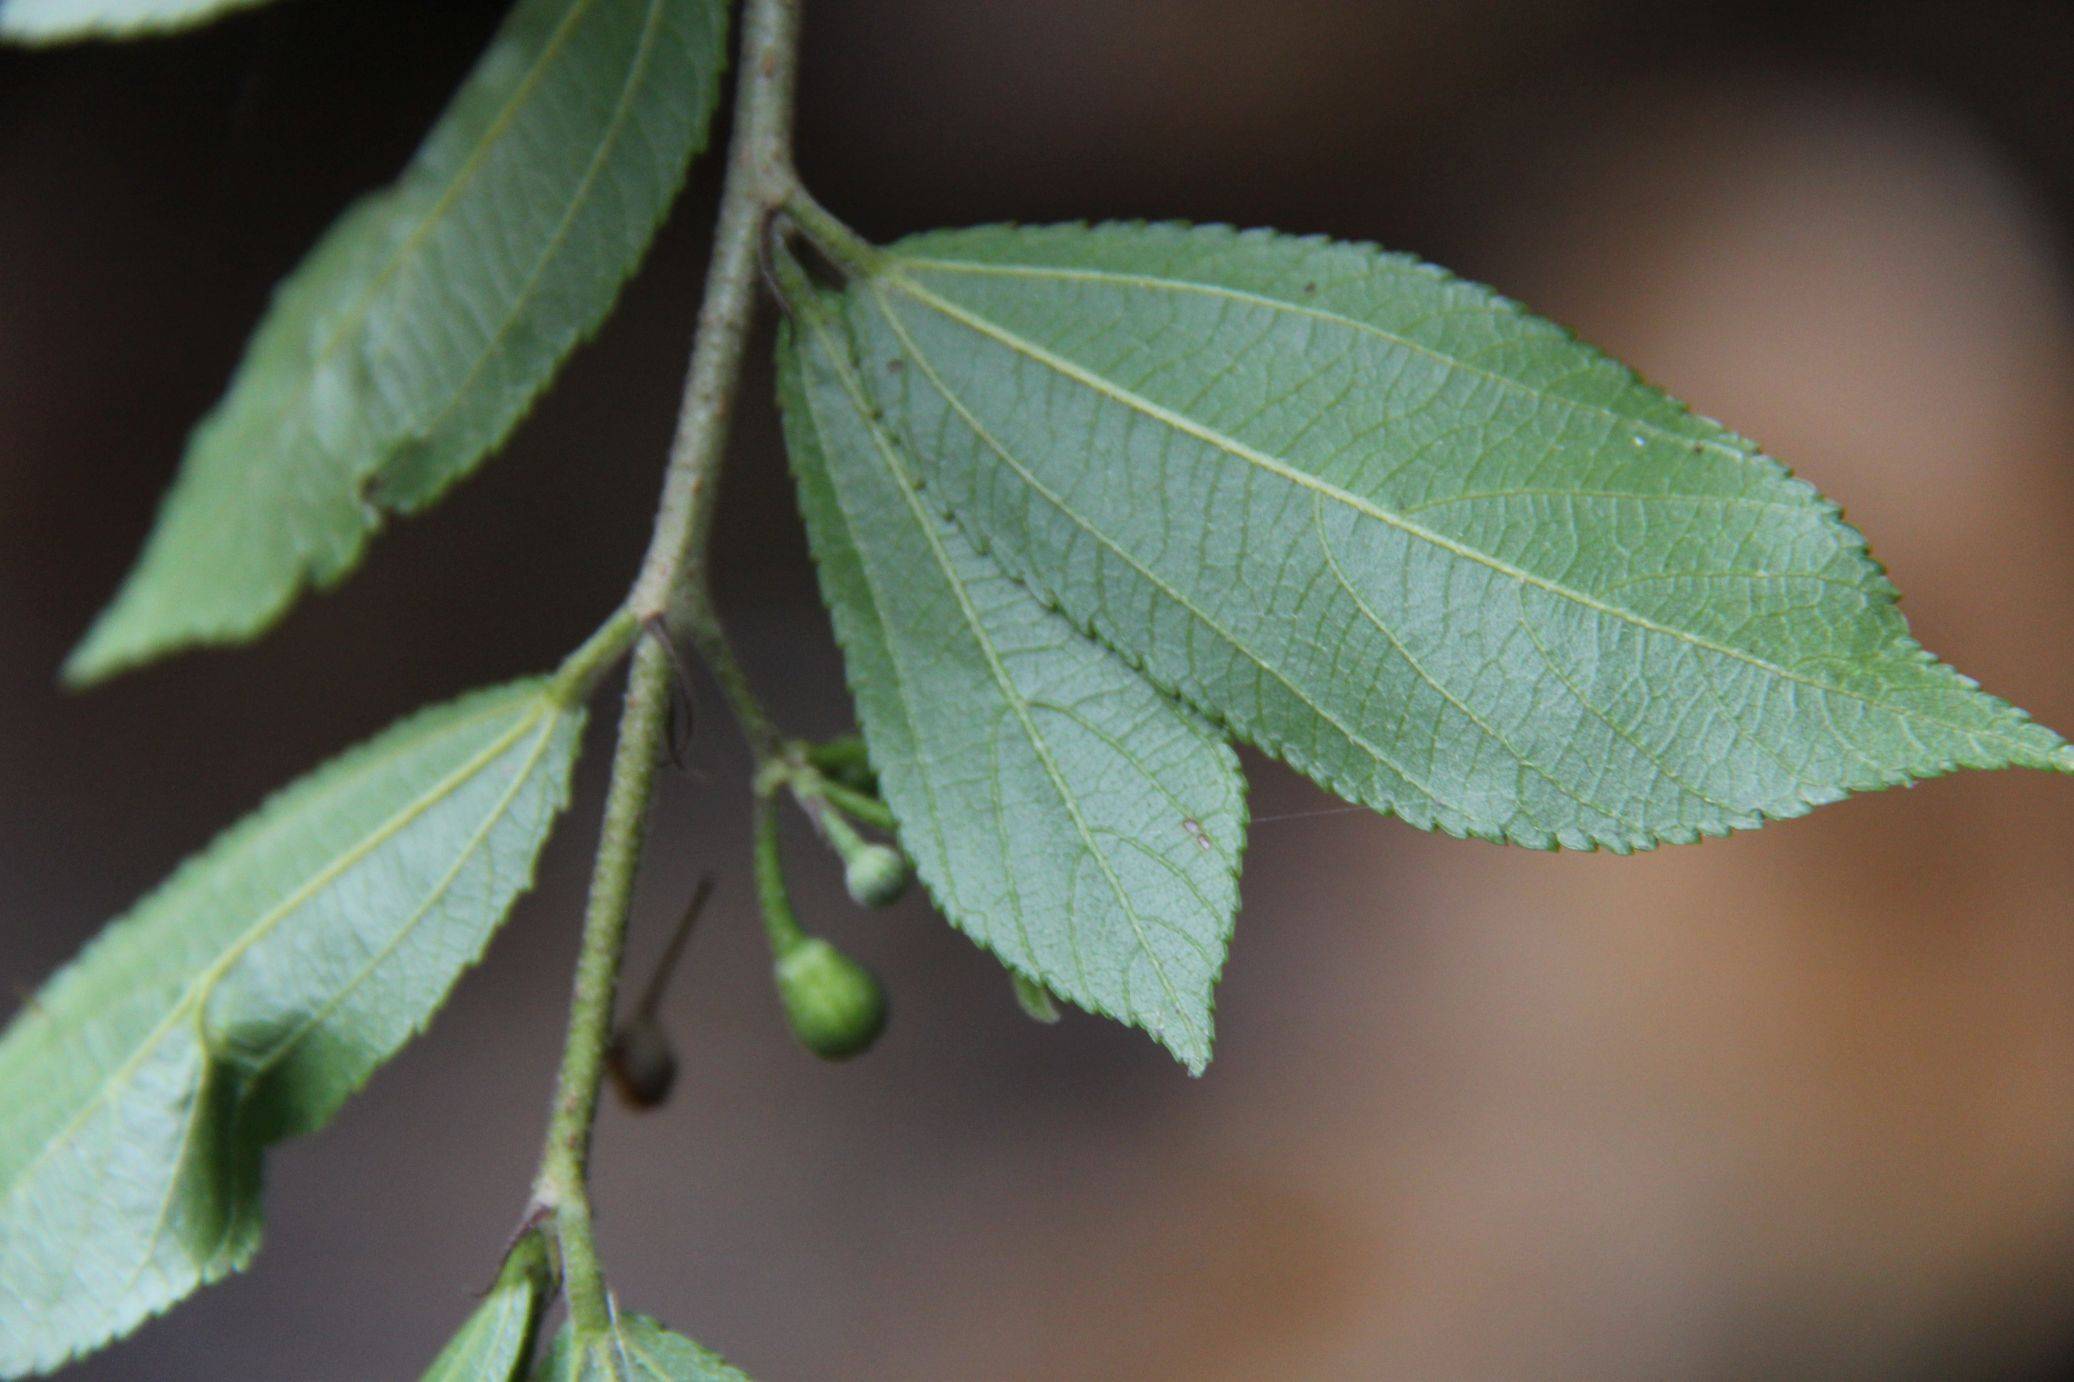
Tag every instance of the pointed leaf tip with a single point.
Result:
(496, 1343)
(1062, 811)
(418, 332)
(1429, 549)
(63, 21)
(244, 1001)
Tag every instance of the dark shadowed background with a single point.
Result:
(1797, 1103)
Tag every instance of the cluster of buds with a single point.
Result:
(834, 1005)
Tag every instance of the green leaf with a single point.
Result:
(1077, 823)
(244, 1000)
(59, 21)
(1423, 546)
(421, 328)
(496, 1344)
(1034, 999)
(635, 1349)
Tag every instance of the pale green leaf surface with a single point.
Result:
(1425, 547)
(422, 326)
(243, 1001)
(496, 1343)
(635, 1349)
(1064, 813)
(57, 21)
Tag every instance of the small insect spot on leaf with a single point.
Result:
(1197, 833)
(895, 366)
(1310, 287)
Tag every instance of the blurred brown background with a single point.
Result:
(1798, 1103)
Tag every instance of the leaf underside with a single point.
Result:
(243, 1001)
(1425, 547)
(496, 1343)
(58, 21)
(635, 1349)
(1069, 817)
(420, 329)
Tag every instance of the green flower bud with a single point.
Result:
(875, 875)
(834, 1005)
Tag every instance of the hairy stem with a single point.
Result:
(849, 251)
(760, 179)
(718, 653)
(672, 581)
(562, 1184)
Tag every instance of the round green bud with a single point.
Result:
(875, 875)
(834, 1005)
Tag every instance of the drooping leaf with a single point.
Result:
(1066, 815)
(59, 21)
(496, 1344)
(635, 1349)
(1425, 547)
(423, 325)
(244, 1000)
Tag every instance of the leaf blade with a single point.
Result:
(496, 1342)
(420, 329)
(61, 21)
(637, 1348)
(244, 1000)
(1069, 818)
(1466, 551)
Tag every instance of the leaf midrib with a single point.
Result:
(637, 71)
(1202, 616)
(1461, 707)
(936, 813)
(351, 320)
(1268, 300)
(925, 521)
(520, 778)
(194, 998)
(1291, 474)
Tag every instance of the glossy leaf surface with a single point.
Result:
(1064, 813)
(1427, 548)
(243, 1001)
(423, 325)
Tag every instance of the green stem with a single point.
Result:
(562, 1185)
(831, 824)
(850, 251)
(582, 670)
(849, 800)
(780, 923)
(759, 179)
(766, 745)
